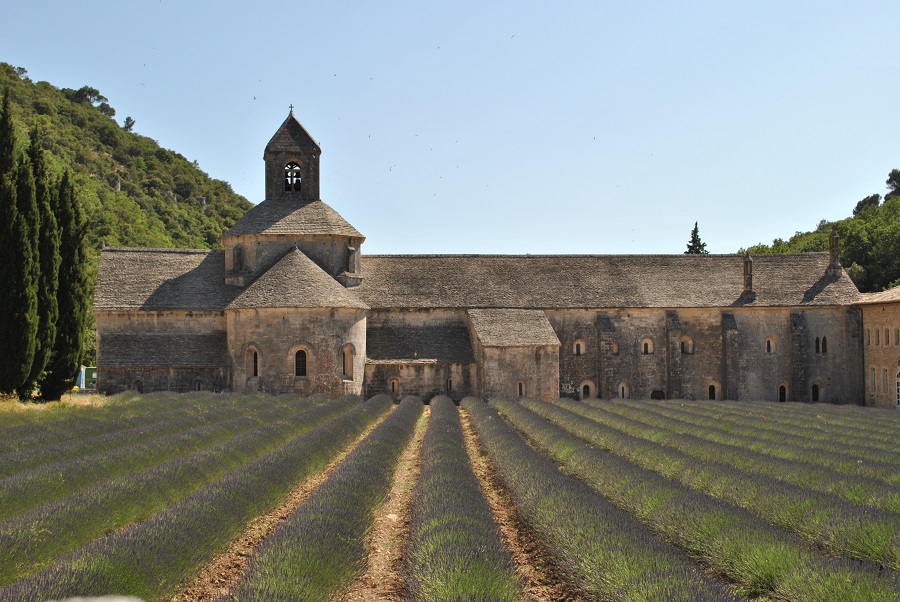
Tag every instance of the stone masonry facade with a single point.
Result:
(290, 304)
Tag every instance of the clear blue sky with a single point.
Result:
(509, 127)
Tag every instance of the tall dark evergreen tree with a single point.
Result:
(695, 246)
(17, 316)
(68, 349)
(48, 279)
(24, 332)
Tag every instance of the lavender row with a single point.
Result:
(761, 559)
(843, 458)
(27, 489)
(855, 489)
(322, 546)
(152, 558)
(609, 553)
(853, 424)
(825, 520)
(39, 429)
(455, 551)
(31, 540)
(153, 426)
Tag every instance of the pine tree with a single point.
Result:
(68, 349)
(48, 279)
(696, 246)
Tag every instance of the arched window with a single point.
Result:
(615, 347)
(815, 392)
(782, 393)
(771, 346)
(687, 345)
(623, 390)
(521, 388)
(139, 386)
(198, 385)
(300, 363)
(449, 385)
(818, 346)
(395, 386)
(586, 389)
(292, 177)
(347, 354)
(579, 347)
(824, 345)
(712, 392)
(252, 362)
(884, 380)
(647, 346)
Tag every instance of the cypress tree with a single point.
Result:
(7, 138)
(24, 331)
(68, 348)
(48, 278)
(16, 340)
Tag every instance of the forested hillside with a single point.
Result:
(870, 240)
(132, 191)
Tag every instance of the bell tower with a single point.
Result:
(292, 163)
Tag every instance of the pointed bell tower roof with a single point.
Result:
(292, 137)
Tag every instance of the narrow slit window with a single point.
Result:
(521, 389)
(255, 364)
(782, 393)
(824, 345)
(300, 363)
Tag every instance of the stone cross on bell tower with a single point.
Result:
(292, 163)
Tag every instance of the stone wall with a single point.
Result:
(424, 379)
(742, 353)
(259, 253)
(276, 335)
(881, 350)
(145, 343)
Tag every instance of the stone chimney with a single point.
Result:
(748, 273)
(834, 251)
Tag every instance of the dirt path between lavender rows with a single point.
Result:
(385, 576)
(224, 571)
(541, 576)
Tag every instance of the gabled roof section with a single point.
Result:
(892, 295)
(512, 328)
(600, 281)
(161, 280)
(276, 216)
(296, 282)
(292, 136)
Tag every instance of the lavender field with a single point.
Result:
(509, 500)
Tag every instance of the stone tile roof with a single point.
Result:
(162, 279)
(276, 216)
(512, 327)
(445, 343)
(599, 281)
(295, 281)
(292, 136)
(892, 295)
(186, 350)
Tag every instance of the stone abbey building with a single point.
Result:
(291, 304)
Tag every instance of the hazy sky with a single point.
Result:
(509, 127)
